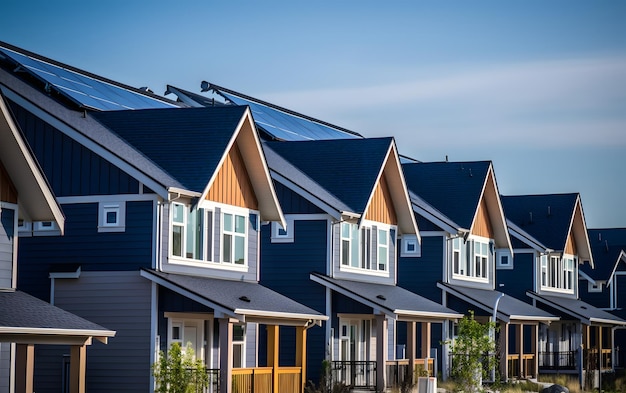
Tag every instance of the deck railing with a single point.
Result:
(355, 374)
(590, 359)
(259, 379)
(562, 360)
(528, 361)
(398, 370)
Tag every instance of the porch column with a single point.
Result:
(226, 355)
(272, 353)
(426, 344)
(534, 339)
(301, 354)
(78, 361)
(381, 352)
(24, 367)
(599, 345)
(504, 350)
(410, 346)
(521, 350)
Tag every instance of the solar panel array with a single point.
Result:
(84, 90)
(286, 126)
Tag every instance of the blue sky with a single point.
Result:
(538, 87)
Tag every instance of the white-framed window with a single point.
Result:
(410, 246)
(594, 287)
(24, 227)
(191, 233)
(188, 332)
(471, 258)
(45, 228)
(239, 345)
(234, 238)
(111, 216)
(558, 272)
(504, 259)
(365, 249)
(282, 235)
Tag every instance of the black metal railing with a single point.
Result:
(355, 374)
(562, 360)
(591, 359)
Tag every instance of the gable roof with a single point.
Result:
(35, 197)
(81, 88)
(586, 313)
(275, 122)
(608, 246)
(348, 171)
(456, 190)
(190, 144)
(550, 218)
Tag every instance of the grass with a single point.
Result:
(569, 381)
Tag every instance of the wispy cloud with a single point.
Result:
(561, 102)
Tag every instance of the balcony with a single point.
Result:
(355, 374)
(398, 370)
(557, 361)
(261, 379)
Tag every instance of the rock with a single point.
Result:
(555, 389)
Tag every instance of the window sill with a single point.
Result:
(206, 264)
(376, 273)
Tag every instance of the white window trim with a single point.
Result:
(560, 271)
(41, 228)
(594, 288)
(373, 272)
(234, 212)
(182, 319)
(288, 237)
(406, 240)
(472, 265)
(120, 208)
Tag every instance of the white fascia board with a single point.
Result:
(586, 277)
(525, 237)
(428, 314)
(281, 315)
(423, 208)
(57, 332)
(620, 258)
(494, 194)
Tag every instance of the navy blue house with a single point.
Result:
(551, 246)
(163, 210)
(604, 286)
(464, 237)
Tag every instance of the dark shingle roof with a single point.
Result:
(606, 246)
(585, 312)
(21, 310)
(547, 217)
(230, 295)
(346, 168)
(187, 143)
(453, 188)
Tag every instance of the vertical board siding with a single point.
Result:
(8, 192)
(71, 168)
(420, 275)
(381, 208)
(83, 245)
(7, 231)
(570, 244)
(482, 223)
(232, 184)
(119, 301)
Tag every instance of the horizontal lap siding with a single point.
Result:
(119, 301)
(83, 245)
(5, 366)
(70, 168)
(420, 275)
(517, 281)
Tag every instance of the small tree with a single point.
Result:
(178, 372)
(471, 351)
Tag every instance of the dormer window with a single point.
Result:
(367, 248)
(471, 258)
(233, 239)
(558, 272)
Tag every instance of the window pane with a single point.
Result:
(455, 257)
(240, 224)
(382, 258)
(227, 254)
(382, 237)
(111, 217)
(354, 239)
(209, 235)
(238, 333)
(240, 249)
(345, 252)
(177, 240)
(178, 213)
(228, 222)
(345, 230)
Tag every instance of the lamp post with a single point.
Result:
(493, 331)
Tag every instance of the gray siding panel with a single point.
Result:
(119, 301)
(5, 367)
(7, 223)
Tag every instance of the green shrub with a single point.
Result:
(178, 372)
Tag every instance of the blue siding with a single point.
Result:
(292, 203)
(71, 168)
(597, 299)
(7, 229)
(517, 281)
(83, 245)
(420, 275)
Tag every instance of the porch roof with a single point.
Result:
(509, 309)
(243, 300)
(28, 320)
(391, 300)
(586, 313)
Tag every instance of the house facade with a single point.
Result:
(163, 213)
(464, 235)
(550, 247)
(338, 255)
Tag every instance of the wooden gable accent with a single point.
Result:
(570, 245)
(381, 207)
(482, 223)
(232, 184)
(8, 192)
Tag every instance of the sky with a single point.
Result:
(537, 87)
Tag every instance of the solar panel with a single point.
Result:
(85, 90)
(286, 125)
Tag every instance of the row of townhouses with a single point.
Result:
(270, 242)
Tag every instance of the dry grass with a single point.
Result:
(569, 381)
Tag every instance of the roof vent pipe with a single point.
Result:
(549, 213)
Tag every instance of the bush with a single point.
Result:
(178, 372)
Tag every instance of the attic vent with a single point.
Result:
(583, 307)
(381, 297)
(245, 299)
